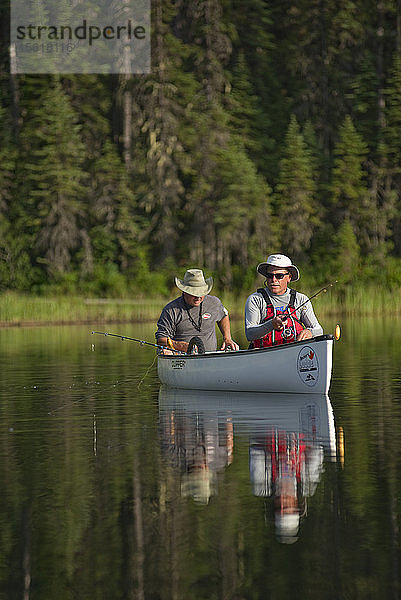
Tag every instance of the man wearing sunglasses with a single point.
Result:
(271, 315)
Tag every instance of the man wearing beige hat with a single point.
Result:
(271, 313)
(194, 314)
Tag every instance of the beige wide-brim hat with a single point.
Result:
(194, 283)
(281, 262)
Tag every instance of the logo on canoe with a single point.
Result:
(308, 366)
(177, 364)
(206, 316)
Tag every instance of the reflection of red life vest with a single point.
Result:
(291, 325)
(288, 453)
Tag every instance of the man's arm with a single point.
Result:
(166, 330)
(254, 328)
(224, 326)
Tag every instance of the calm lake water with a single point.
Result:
(115, 488)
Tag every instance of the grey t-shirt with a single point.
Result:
(175, 322)
(255, 312)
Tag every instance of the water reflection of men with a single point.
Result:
(287, 467)
(201, 445)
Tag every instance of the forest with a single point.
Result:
(263, 127)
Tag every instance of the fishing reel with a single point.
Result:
(287, 332)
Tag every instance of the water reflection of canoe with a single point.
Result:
(289, 435)
(311, 415)
(300, 367)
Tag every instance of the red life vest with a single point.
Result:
(292, 327)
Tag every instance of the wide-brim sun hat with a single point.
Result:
(280, 261)
(194, 283)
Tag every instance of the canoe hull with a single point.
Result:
(300, 367)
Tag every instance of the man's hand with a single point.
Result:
(173, 344)
(224, 326)
(305, 334)
(229, 343)
(277, 323)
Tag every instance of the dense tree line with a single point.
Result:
(263, 126)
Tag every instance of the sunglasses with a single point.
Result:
(276, 275)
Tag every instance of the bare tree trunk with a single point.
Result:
(127, 124)
(14, 88)
(380, 69)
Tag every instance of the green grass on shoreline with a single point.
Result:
(23, 310)
(20, 310)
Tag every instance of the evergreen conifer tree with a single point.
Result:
(244, 109)
(114, 227)
(347, 253)
(8, 246)
(111, 229)
(245, 227)
(257, 108)
(206, 35)
(351, 197)
(295, 201)
(393, 118)
(50, 173)
(349, 177)
(159, 105)
(392, 143)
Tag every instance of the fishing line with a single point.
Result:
(147, 371)
(84, 398)
(141, 342)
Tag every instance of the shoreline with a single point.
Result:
(71, 322)
(18, 311)
(48, 322)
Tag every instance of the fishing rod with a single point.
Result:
(284, 317)
(142, 342)
(324, 289)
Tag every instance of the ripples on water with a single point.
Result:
(114, 487)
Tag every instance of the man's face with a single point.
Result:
(193, 300)
(277, 280)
